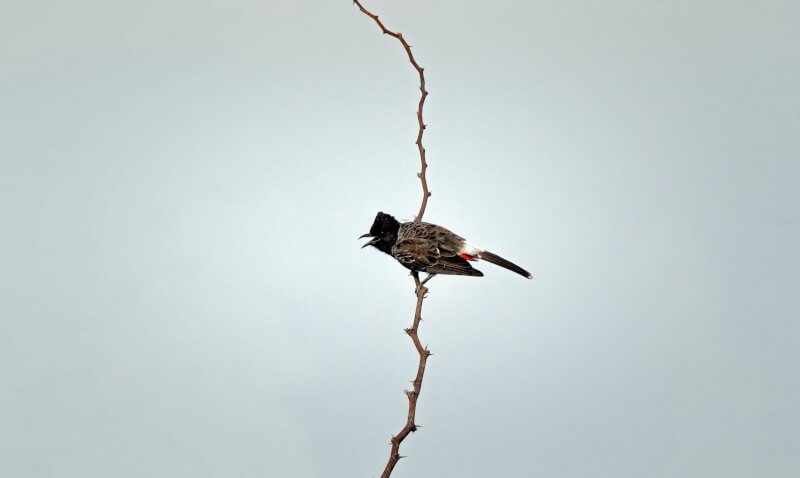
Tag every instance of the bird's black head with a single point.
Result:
(383, 232)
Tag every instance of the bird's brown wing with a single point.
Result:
(415, 253)
(454, 265)
(426, 255)
(432, 232)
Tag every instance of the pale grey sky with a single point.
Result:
(183, 295)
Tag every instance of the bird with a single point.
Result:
(430, 248)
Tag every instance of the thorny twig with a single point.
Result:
(421, 290)
(423, 94)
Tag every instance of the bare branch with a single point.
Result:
(413, 395)
(421, 290)
(423, 94)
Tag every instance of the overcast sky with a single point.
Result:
(182, 184)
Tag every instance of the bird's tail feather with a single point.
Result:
(499, 261)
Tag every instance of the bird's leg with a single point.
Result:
(430, 276)
(421, 285)
(415, 275)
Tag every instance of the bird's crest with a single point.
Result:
(384, 223)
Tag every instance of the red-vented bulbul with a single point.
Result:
(425, 247)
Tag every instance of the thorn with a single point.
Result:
(400, 456)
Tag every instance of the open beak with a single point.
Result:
(370, 242)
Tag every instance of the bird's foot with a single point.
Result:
(420, 287)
